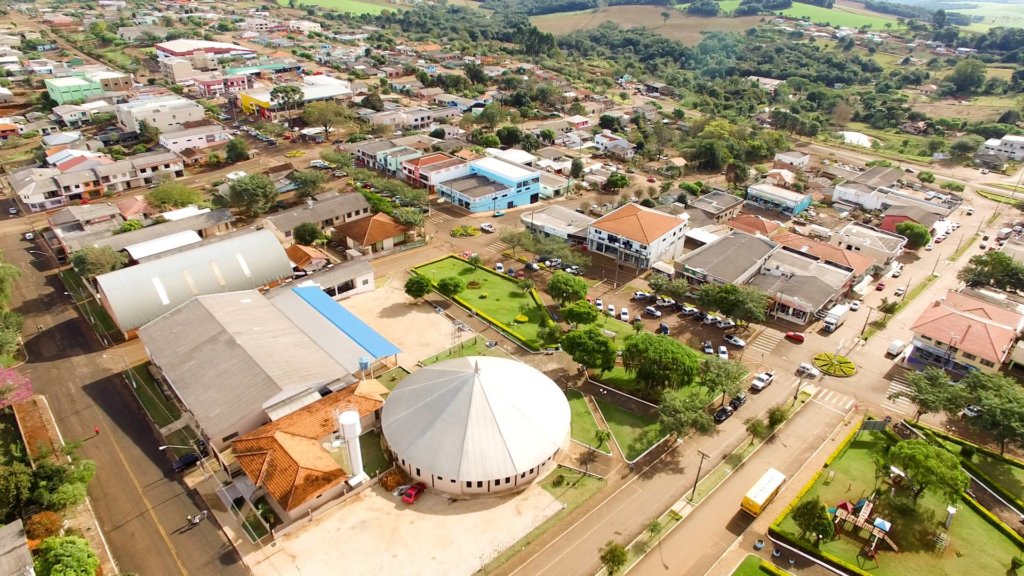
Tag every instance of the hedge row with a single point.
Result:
(957, 440)
(995, 522)
(842, 445)
(769, 568)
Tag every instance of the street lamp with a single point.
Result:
(796, 393)
(202, 459)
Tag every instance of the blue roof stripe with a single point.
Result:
(367, 338)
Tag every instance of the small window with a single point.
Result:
(508, 480)
(479, 483)
(439, 478)
(468, 484)
(365, 282)
(969, 356)
(987, 363)
(418, 472)
(497, 482)
(231, 436)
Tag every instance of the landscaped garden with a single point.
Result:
(476, 346)
(583, 426)
(634, 433)
(494, 297)
(912, 515)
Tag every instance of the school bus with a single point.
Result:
(763, 492)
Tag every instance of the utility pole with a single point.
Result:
(703, 457)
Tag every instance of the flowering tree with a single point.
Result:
(14, 387)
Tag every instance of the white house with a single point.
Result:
(881, 246)
(303, 26)
(1009, 146)
(203, 136)
(166, 113)
(637, 237)
(614, 145)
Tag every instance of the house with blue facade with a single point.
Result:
(492, 184)
(772, 197)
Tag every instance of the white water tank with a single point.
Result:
(349, 429)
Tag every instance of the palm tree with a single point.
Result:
(287, 97)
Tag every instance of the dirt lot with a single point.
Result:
(681, 27)
(381, 535)
(416, 329)
(951, 108)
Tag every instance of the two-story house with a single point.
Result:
(637, 237)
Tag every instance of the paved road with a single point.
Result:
(717, 523)
(139, 504)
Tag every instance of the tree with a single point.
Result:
(926, 176)
(489, 141)
(173, 194)
(373, 101)
(590, 348)
(931, 391)
(916, 234)
(722, 376)
(14, 386)
(613, 557)
(475, 261)
(491, 116)
(601, 437)
(253, 194)
(929, 466)
(15, 487)
(43, 525)
(616, 181)
(148, 133)
(565, 287)
(757, 429)
(967, 76)
(287, 97)
(237, 150)
(92, 261)
(516, 239)
(66, 556)
(665, 15)
(659, 363)
(683, 411)
(776, 416)
(581, 312)
(326, 115)
(308, 183)
(417, 286)
(1002, 403)
(408, 216)
(307, 233)
(451, 286)
(812, 517)
(509, 135)
(526, 285)
(576, 168)
(742, 303)
(993, 269)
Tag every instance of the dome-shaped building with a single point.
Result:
(476, 425)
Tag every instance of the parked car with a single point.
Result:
(897, 273)
(689, 310)
(723, 352)
(13, 210)
(185, 462)
(763, 380)
(624, 314)
(652, 311)
(880, 286)
(930, 247)
(972, 411)
(738, 400)
(611, 310)
(725, 324)
(599, 304)
(699, 316)
(640, 295)
(735, 340)
(412, 493)
(939, 239)
(711, 319)
(487, 227)
(795, 336)
(983, 246)
(662, 301)
(709, 348)
(855, 304)
(499, 267)
(900, 291)
(723, 414)
(533, 266)
(806, 369)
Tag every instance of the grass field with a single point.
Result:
(584, 427)
(375, 460)
(985, 108)
(996, 14)
(160, 410)
(476, 346)
(840, 15)
(975, 547)
(353, 6)
(392, 377)
(751, 566)
(634, 433)
(680, 26)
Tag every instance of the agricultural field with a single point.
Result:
(848, 15)
(353, 6)
(983, 108)
(682, 27)
(995, 13)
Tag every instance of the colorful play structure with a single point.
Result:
(859, 515)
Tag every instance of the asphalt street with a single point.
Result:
(139, 503)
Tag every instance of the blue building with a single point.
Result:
(492, 184)
(779, 199)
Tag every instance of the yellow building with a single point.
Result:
(255, 102)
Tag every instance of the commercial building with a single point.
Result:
(881, 246)
(303, 26)
(1010, 146)
(800, 284)
(314, 89)
(165, 113)
(732, 259)
(72, 89)
(196, 135)
(779, 199)
(637, 237)
(558, 222)
(492, 184)
(216, 85)
(961, 333)
(187, 47)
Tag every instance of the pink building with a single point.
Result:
(215, 85)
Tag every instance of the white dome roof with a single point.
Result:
(476, 418)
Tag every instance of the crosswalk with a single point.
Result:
(437, 217)
(899, 384)
(499, 246)
(836, 400)
(766, 341)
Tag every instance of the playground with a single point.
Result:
(882, 530)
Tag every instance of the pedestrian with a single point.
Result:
(189, 519)
(205, 514)
(96, 430)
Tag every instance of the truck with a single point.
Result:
(836, 316)
(761, 494)
(1004, 233)
(819, 232)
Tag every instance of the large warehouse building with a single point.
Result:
(476, 425)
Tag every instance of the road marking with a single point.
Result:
(438, 217)
(832, 400)
(149, 506)
(899, 384)
(766, 341)
(499, 246)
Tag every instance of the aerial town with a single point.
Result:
(512, 287)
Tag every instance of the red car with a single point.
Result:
(795, 336)
(412, 493)
(880, 286)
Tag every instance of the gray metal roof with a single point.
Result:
(335, 275)
(120, 241)
(730, 257)
(345, 351)
(15, 558)
(476, 418)
(227, 356)
(142, 293)
(326, 209)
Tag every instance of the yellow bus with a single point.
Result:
(762, 493)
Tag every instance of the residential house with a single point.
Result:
(74, 115)
(375, 236)
(165, 113)
(800, 284)
(613, 145)
(492, 184)
(8, 130)
(732, 259)
(1011, 146)
(427, 170)
(326, 213)
(139, 294)
(792, 160)
(199, 134)
(719, 205)
(896, 215)
(772, 197)
(306, 259)
(869, 189)
(553, 185)
(637, 237)
(6, 96)
(558, 222)
(881, 246)
(961, 333)
(990, 161)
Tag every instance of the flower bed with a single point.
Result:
(834, 364)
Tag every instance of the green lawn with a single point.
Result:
(476, 346)
(729, 5)
(975, 546)
(1009, 477)
(620, 379)
(634, 433)
(353, 6)
(837, 16)
(751, 566)
(496, 296)
(392, 377)
(161, 411)
(375, 460)
(95, 314)
(584, 427)
(181, 437)
(617, 329)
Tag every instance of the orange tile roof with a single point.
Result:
(829, 252)
(429, 159)
(286, 457)
(753, 225)
(132, 206)
(637, 223)
(301, 255)
(973, 326)
(369, 231)
(7, 126)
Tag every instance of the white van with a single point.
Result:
(895, 347)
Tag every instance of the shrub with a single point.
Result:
(473, 284)
(1016, 563)
(558, 480)
(43, 525)
(967, 452)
